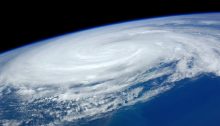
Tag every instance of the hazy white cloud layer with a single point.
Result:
(101, 70)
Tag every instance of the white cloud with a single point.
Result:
(96, 69)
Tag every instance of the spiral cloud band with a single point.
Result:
(93, 72)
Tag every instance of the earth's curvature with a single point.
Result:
(129, 73)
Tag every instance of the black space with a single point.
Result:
(23, 24)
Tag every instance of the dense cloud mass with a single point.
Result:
(93, 72)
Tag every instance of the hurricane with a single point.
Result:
(88, 74)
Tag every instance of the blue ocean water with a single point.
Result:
(191, 103)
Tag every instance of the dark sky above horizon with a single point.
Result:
(24, 24)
